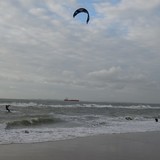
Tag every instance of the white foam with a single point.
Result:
(52, 134)
(106, 106)
(92, 105)
(20, 104)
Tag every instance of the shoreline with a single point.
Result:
(118, 146)
(81, 137)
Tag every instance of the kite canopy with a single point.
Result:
(82, 10)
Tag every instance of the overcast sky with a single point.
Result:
(46, 53)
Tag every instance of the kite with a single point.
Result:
(82, 10)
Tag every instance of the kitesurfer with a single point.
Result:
(156, 119)
(7, 108)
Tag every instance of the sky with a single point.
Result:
(46, 53)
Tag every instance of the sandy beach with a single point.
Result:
(128, 146)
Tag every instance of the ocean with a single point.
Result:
(32, 121)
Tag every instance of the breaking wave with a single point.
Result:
(30, 122)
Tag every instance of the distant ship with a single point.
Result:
(73, 100)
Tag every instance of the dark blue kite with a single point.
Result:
(82, 10)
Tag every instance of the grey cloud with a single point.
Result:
(42, 48)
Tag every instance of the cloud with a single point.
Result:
(104, 74)
(138, 19)
(42, 47)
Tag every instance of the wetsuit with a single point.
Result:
(7, 108)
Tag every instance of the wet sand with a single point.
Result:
(129, 146)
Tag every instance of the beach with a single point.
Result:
(123, 146)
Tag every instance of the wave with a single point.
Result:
(30, 122)
(121, 106)
(61, 104)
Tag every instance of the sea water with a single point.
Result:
(33, 121)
